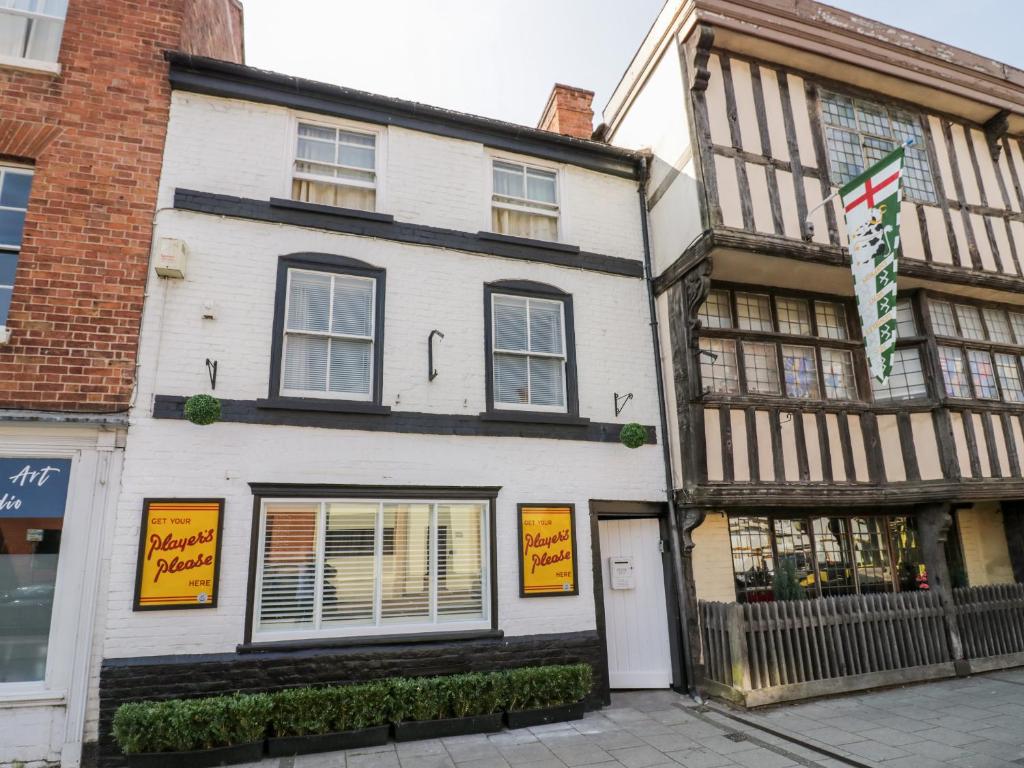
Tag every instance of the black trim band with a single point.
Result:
(345, 221)
(406, 422)
(199, 74)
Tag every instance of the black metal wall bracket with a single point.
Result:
(431, 370)
(625, 399)
(211, 368)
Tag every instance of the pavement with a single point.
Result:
(975, 722)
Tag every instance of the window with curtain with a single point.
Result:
(335, 166)
(337, 568)
(980, 349)
(757, 343)
(329, 335)
(524, 202)
(32, 29)
(859, 133)
(15, 185)
(529, 352)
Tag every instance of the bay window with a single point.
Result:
(360, 567)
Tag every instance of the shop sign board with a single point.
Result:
(179, 554)
(547, 550)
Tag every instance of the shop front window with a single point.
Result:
(33, 493)
(824, 556)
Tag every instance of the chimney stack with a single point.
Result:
(568, 112)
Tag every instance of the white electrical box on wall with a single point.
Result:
(171, 257)
(620, 570)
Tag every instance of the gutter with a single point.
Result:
(675, 543)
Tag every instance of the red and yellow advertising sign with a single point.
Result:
(179, 554)
(547, 550)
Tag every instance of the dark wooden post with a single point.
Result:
(690, 518)
(933, 523)
(1013, 524)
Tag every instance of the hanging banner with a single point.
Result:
(872, 206)
(547, 550)
(179, 554)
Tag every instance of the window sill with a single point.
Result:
(29, 65)
(349, 642)
(325, 405)
(16, 695)
(528, 241)
(535, 417)
(331, 210)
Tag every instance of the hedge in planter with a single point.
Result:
(306, 720)
(197, 732)
(436, 707)
(538, 695)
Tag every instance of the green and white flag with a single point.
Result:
(872, 206)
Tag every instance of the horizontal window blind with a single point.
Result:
(340, 568)
(529, 352)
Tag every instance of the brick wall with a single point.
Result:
(95, 135)
(213, 28)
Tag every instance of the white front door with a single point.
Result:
(636, 614)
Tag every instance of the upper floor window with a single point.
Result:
(344, 567)
(906, 381)
(328, 327)
(15, 185)
(524, 201)
(788, 346)
(335, 166)
(31, 29)
(980, 350)
(859, 133)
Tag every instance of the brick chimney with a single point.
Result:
(568, 112)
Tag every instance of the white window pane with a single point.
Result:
(540, 186)
(351, 363)
(942, 318)
(546, 381)
(837, 369)
(906, 325)
(360, 157)
(309, 301)
(716, 312)
(838, 110)
(1017, 322)
(405, 564)
(359, 139)
(794, 316)
(801, 372)
(353, 306)
(305, 363)
(317, 151)
(511, 379)
(998, 326)
(873, 119)
(508, 180)
(1009, 378)
(349, 564)
(288, 578)
(970, 322)
(510, 324)
(545, 326)
(536, 226)
(831, 320)
(719, 372)
(460, 562)
(906, 379)
(318, 132)
(761, 368)
(753, 312)
(13, 35)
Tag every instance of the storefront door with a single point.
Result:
(636, 614)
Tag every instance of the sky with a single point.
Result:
(499, 58)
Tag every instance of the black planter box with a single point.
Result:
(453, 726)
(527, 718)
(202, 758)
(285, 746)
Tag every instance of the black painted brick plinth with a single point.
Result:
(187, 676)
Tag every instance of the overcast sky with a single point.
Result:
(499, 58)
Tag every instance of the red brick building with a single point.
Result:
(84, 100)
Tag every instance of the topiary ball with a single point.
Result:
(633, 435)
(202, 409)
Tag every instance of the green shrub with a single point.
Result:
(551, 686)
(419, 698)
(313, 711)
(202, 409)
(185, 725)
(475, 693)
(633, 435)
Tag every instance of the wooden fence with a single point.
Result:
(760, 653)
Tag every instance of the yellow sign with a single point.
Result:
(547, 550)
(179, 554)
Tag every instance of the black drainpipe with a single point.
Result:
(675, 545)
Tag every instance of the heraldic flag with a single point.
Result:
(872, 206)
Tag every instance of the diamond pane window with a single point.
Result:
(754, 312)
(801, 372)
(720, 375)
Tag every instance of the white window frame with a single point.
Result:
(526, 162)
(23, 62)
(564, 357)
(379, 156)
(284, 391)
(15, 249)
(378, 629)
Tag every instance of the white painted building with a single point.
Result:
(338, 448)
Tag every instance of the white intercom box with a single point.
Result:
(171, 257)
(620, 569)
